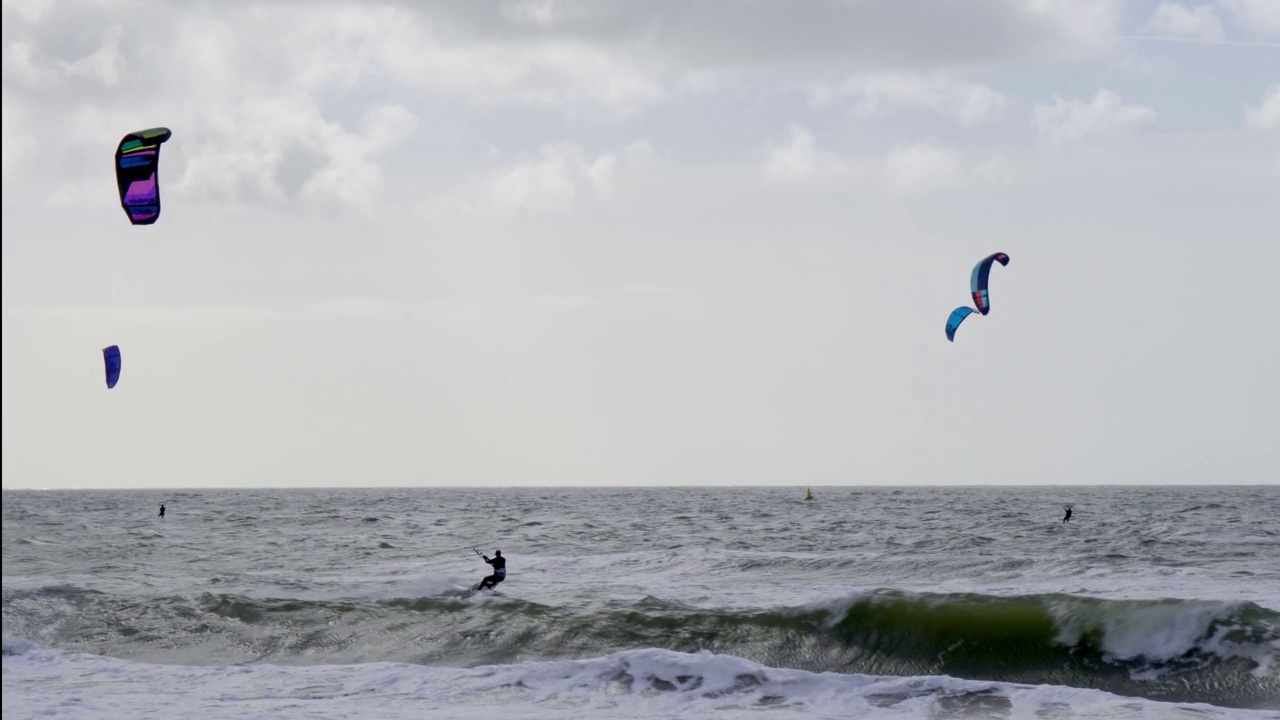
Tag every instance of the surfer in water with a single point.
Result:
(161, 510)
(1067, 517)
(499, 564)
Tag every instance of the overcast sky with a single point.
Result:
(651, 242)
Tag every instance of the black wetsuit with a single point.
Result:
(499, 572)
(161, 511)
(1068, 516)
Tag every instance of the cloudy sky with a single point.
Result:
(648, 242)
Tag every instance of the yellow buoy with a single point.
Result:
(808, 493)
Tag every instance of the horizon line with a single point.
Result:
(628, 487)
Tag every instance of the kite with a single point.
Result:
(137, 172)
(978, 281)
(953, 322)
(111, 359)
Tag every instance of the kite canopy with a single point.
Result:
(111, 360)
(978, 281)
(953, 322)
(137, 168)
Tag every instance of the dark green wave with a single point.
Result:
(1171, 650)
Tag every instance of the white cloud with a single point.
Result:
(567, 55)
(349, 177)
(996, 170)
(923, 167)
(907, 169)
(21, 66)
(639, 154)
(552, 180)
(1081, 26)
(387, 126)
(293, 152)
(1179, 21)
(562, 76)
(969, 103)
(1267, 113)
(798, 158)
(255, 130)
(600, 174)
(267, 101)
(861, 33)
(1105, 114)
(29, 64)
(1261, 17)
(926, 167)
(542, 13)
(16, 144)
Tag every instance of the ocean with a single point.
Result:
(689, 602)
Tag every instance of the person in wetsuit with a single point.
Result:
(499, 564)
(161, 509)
(1068, 515)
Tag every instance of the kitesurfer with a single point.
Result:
(1067, 516)
(499, 564)
(161, 510)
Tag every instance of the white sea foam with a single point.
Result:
(40, 682)
(1158, 633)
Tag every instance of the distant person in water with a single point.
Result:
(499, 564)
(162, 510)
(1067, 517)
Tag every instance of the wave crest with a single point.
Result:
(1174, 650)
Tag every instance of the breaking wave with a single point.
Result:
(1170, 650)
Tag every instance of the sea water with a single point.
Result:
(1152, 602)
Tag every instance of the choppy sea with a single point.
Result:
(1152, 602)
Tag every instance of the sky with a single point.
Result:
(659, 242)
